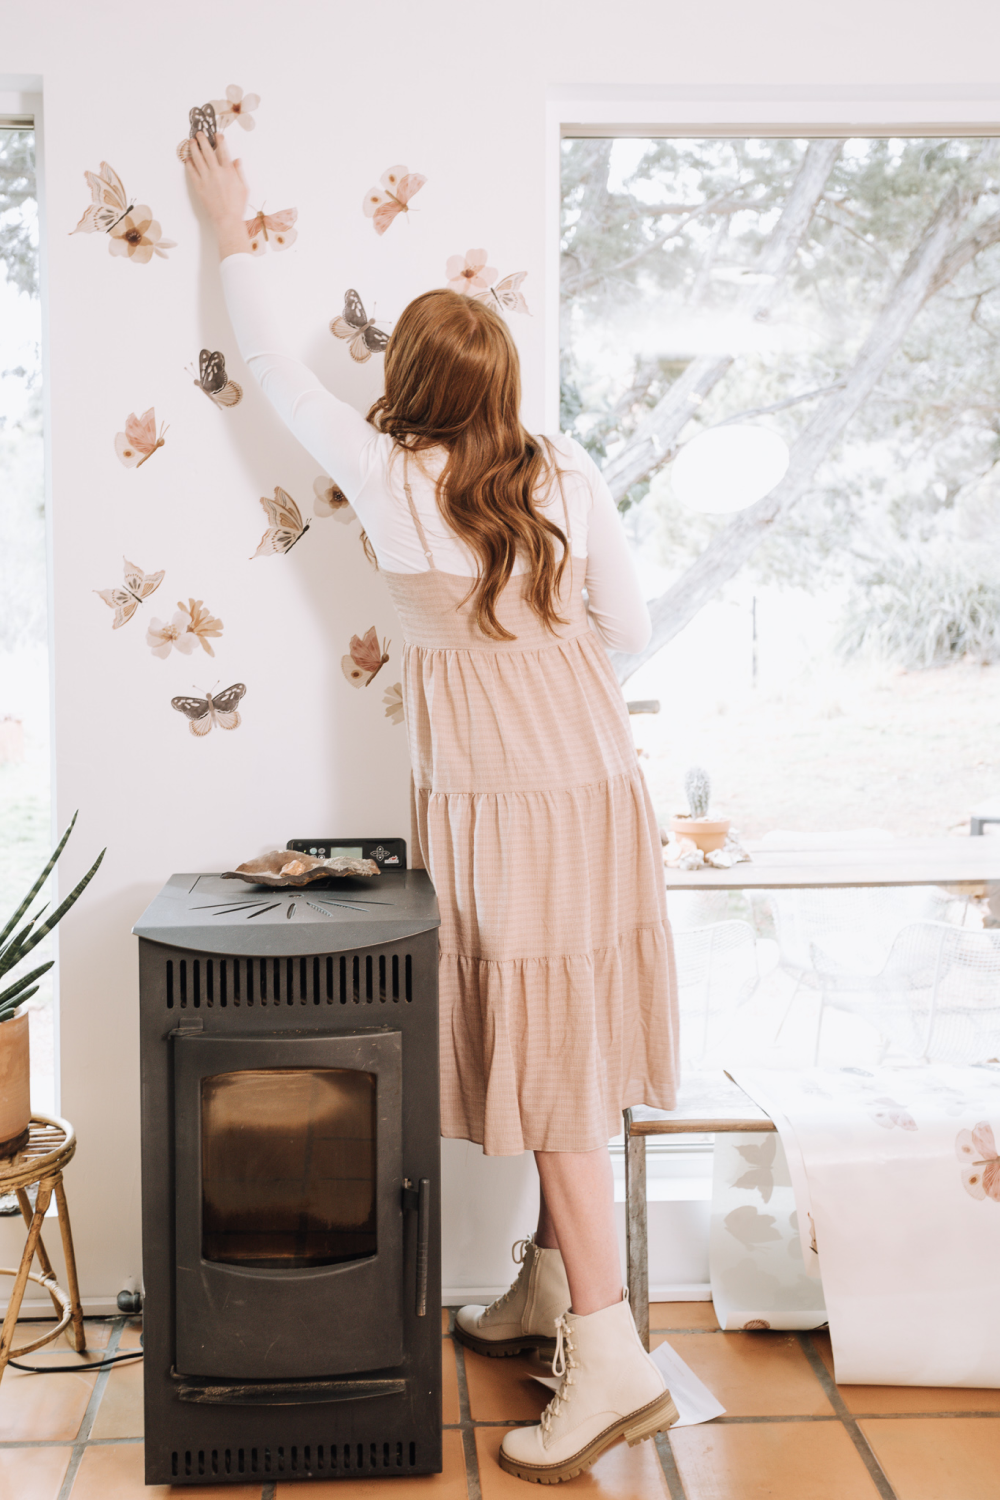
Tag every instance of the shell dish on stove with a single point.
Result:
(287, 867)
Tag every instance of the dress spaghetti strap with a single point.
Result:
(413, 512)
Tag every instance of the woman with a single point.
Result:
(556, 972)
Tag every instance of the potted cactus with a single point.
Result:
(15, 1098)
(704, 832)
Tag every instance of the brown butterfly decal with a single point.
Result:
(201, 119)
(976, 1149)
(213, 380)
(272, 229)
(218, 711)
(285, 525)
(366, 660)
(138, 587)
(355, 325)
(139, 440)
(382, 204)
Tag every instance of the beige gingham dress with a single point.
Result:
(532, 817)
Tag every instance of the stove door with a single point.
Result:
(289, 1235)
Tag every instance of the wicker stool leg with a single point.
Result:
(42, 1253)
(21, 1279)
(69, 1255)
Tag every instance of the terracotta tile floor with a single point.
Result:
(789, 1432)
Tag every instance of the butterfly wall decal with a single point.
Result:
(202, 119)
(213, 380)
(284, 524)
(126, 600)
(330, 499)
(505, 295)
(110, 202)
(139, 440)
(272, 229)
(132, 231)
(355, 325)
(976, 1149)
(382, 204)
(892, 1114)
(217, 711)
(366, 659)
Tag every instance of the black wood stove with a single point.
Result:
(290, 1180)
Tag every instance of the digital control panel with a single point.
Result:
(388, 854)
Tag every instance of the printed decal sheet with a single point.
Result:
(889, 1182)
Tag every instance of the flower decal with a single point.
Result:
(236, 106)
(139, 236)
(393, 700)
(470, 273)
(201, 624)
(330, 500)
(162, 637)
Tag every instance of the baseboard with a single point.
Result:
(695, 1291)
(41, 1307)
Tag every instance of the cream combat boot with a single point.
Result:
(524, 1317)
(610, 1388)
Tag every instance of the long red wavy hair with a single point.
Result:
(453, 381)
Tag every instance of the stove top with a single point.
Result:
(207, 914)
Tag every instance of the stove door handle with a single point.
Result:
(423, 1243)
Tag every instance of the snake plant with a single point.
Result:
(13, 949)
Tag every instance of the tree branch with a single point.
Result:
(731, 548)
(654, 436)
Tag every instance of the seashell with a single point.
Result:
(283, 867)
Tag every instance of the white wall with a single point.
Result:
(458, 93)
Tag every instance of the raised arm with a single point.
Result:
(336, 435)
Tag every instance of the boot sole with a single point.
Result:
(503, 1348)
(635, 1428)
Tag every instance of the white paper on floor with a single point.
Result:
(901, 1183)
(693, 1400)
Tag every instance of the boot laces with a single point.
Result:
(518, 1254)
(563, 1365)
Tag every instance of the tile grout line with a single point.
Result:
(668, 1464)
(82, 1438)
(472, 1483)
(864, 1450)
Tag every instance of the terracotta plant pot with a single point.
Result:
(705, 833)
(15, 1094)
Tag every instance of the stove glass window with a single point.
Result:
(288, 1167)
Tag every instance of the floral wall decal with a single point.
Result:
(366, 660)
(272, 229)
(220, 711)
(236, 106)
(393, 701)
(139, 440)
(132, 231)
(285, 525)
(213, 380)
(190, 626)
(126, 600)
(382, 204)
(355, 324)
(470, 273)
(977, 1151)
(330, 500)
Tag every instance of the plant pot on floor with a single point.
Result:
(705, 833)
(15, 1090)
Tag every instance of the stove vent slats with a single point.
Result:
(345, 979)
(331, 1458)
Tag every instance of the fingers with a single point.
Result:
(222, 151)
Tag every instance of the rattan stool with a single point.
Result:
(51, 1144)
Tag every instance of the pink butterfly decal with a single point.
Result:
(272, 229)
(505, 295)
(382, 204)
(139, 440)
(893, 1114)
(366, 659)
(976, 1149)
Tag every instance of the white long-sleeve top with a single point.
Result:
(357, 456)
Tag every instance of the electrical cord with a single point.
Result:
(105, 1364)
